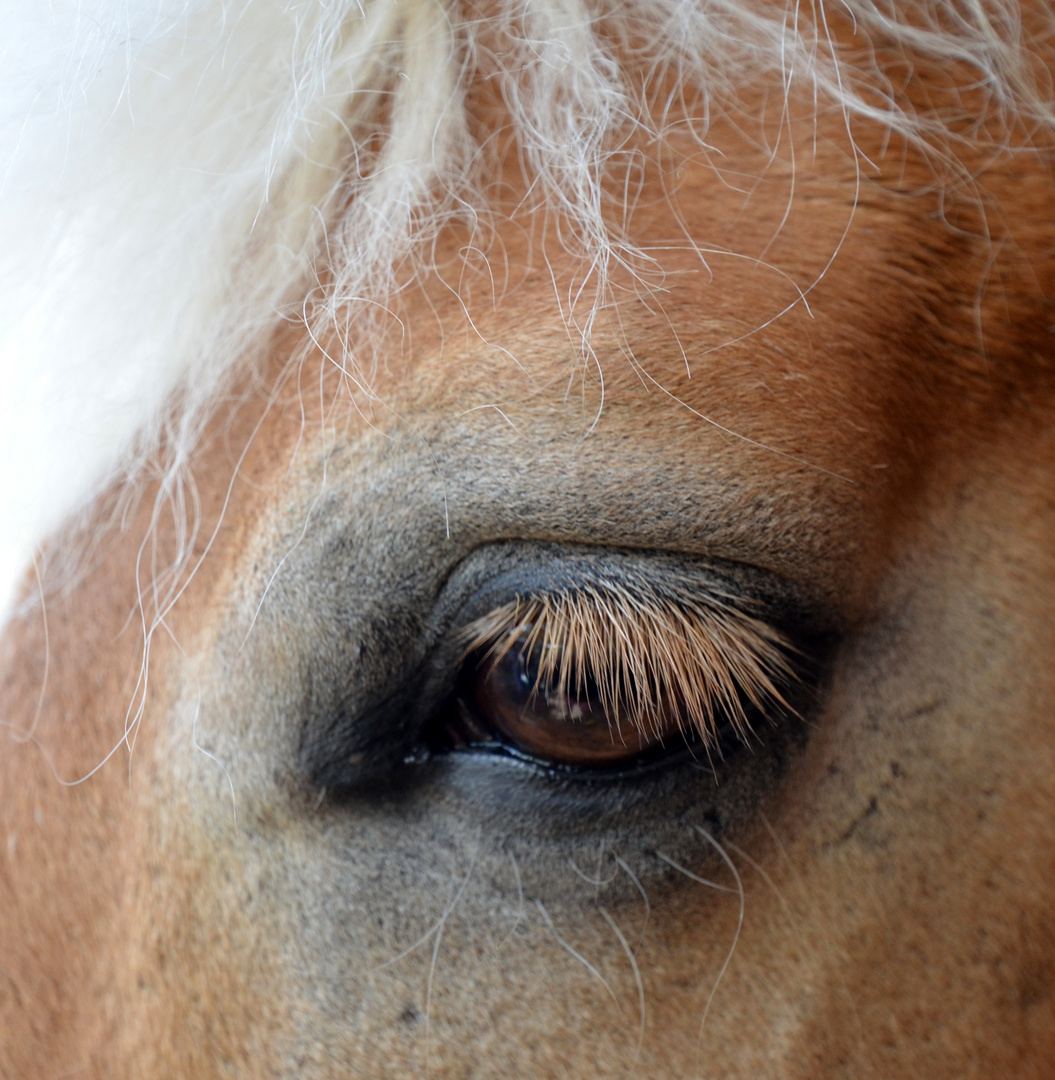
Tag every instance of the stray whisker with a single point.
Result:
(572, 952)
(693, 877)
(637, 977)
(739, 890)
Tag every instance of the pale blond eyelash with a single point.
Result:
(644, 651)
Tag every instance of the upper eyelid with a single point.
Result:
(512, 568)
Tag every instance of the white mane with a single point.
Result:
(177, 175)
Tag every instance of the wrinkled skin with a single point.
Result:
(225, 897)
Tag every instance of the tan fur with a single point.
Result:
(882, 909)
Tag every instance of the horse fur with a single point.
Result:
(753, 299)
(177, 178)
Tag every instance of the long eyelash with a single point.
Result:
(645, 653)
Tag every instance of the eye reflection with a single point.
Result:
(528, 706)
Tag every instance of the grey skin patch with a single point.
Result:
(375, 668)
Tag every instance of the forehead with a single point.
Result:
(794, 340)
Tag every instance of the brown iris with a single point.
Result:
(558, 720)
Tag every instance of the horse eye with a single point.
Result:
(609, 677)
(519, 703)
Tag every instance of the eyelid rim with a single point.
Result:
(493, 574)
